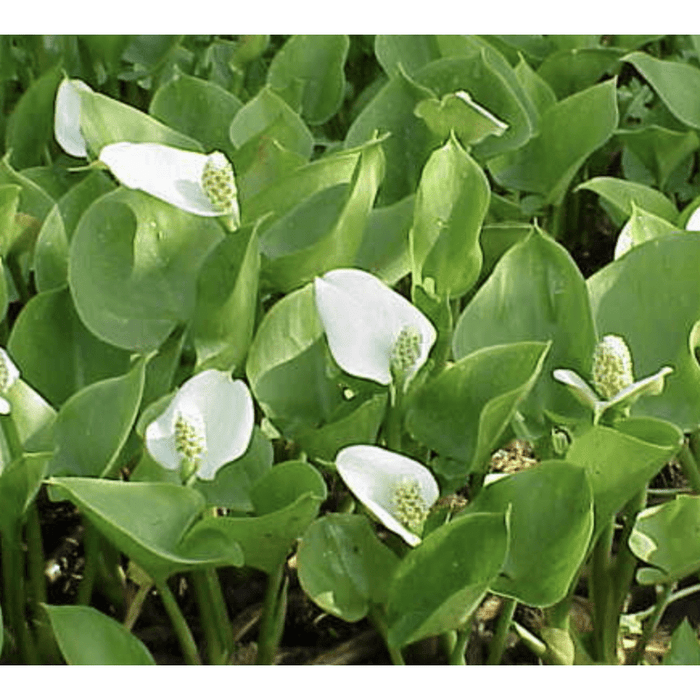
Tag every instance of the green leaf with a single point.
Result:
(343, 567)
(55, 352)
(538, 90)
(287, 499)
(88, 637)
(496, 239)
(451, 203)
(463, 412)
(9, 203)
(93, 425)
(571, 70)
(650, 297)
(666, 538)
(308, 73)
(409, 142)
(133, 268)
(641, 227)
(19, 484)
(621, 193)
(685, 648)
(53, 241)
(104, 120)
(411, 52)
(181, 103)
(384, 248)
(33, 417)
(438, 585)
(659, 149)
(676, 83)
(33, 200)
(325, 231)
(154, 524)
(620, 462)
(30, 126)
(569, 132)
(227, 294)
(549, 534)
(268, 114)
(536, 292)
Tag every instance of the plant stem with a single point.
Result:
(498, 643)
(15, 270)
(605, 623)
(690, 467)
(377, 618)
(215, 620)
(394, 426)
(182, 630)
(460, 647)
(273, 608)
(662, 601)
(533, 643)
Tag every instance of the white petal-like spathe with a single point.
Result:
(694, 221)
(168, 173)
(373, 474)
(363, 318)
(225, 408)
(67, 117)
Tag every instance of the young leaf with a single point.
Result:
(685, 649)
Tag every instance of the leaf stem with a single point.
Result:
(215, 620)
(662, 601)
(274, 607)
(689, 465)
(377, 618)
(182, 630)
(91, 542)
(498, 643)
(601, 594)
(460, 647)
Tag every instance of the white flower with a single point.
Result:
(694, 221)
(398, 490)
(9, 374)
(371, 329)
(208, 423)
(194, 182)
(612, 377)
(67, 117)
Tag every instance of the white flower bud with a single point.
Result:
(612, 366)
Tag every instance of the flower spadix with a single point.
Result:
(373, 332)
(613, 379)
(208, 423)
(198, 183)
(9, 374)
(398, 490)
(67, 117)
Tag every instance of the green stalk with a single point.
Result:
(377, 618)
(91, 541)
(274, 607)
(498, 643)
(15, 270)
(394, 423)
(662, 601)
(215, 620)
(690, 467)
(460, 647)
(182, 630)
(601, 593)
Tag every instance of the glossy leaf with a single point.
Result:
(549, 534)
(685, 648)
(665, 538)
(621, 193)
(451, 203)
(411, 52)
(571, 70)
(308, 73)
(676, 83)
(325, 231)
(133, 267)
(286, 499)
(86, 636)
(438, 585)
(538, 90)
(154, 524)
(651, 298)
(93, 425)
(19, 484)
(570, 132)
(267, 110)
(181, 103)
(227, 294)
(535, 292)
(641, 227)
(464, 411)
(343, 567)
(621, 461)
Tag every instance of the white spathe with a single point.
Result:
(694, 221)
(363, 319)
(9, 374)
(374, 474)
(214, 404)
(170, 174)
(67, 117)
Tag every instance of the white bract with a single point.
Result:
(67, 117)
(399, 491)
(9, 374)
(694, 221)
(613, 378)
(208, 423)
(371, 329)
(194, 182)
